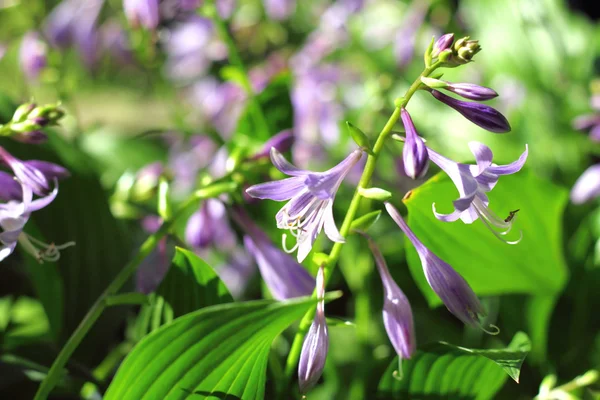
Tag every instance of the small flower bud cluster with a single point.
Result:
(29, 119)
(453, 55)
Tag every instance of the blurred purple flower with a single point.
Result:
(397, 314)
(310, 195)
(153, 268)
(115, 43)
(186, 159)
(35, 174)
(284, 277)
(587, 186)
(282, 142)
(414, 153)
(33, 55)
(142, 13)
(31, 137)
(452, 289)
(225, 8)
(472, 183)
(404, 43)
(209, 227)
(589, 122)
(480, 114)
(316, 343)
(236, 272)
(279, 9)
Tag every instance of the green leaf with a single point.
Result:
(534, 266)
(191, 284)
(220, 350)
(443, 371)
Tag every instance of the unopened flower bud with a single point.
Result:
(414, 153)
(146, 181)
(22, 112)
(465, 49)
(48, 114)
(25, 126)
(316, 343)
(32, 137)
(471, 91)
(443, 43)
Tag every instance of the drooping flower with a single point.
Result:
(452, 288)
(472, 183)
(33, 55)
(587, 186)
(282, 142)
(397, 314)
(209, 226)
(414, 153)
(480, 114)
(142, 13)
(310, 195)
(284, 277)
(316, 343)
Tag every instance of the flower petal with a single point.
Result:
(281, 190)
(329, 226)
(511, 168)
(284, 165)
(483, 155)
(587, 186)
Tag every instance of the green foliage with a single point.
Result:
(190, 356)
(445, 371)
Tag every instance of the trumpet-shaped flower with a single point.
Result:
(316, 343)
(414, 153)
(472, 182)
(452, 288)
(310, 195)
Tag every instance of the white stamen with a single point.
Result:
(40, 250)
(284, 244)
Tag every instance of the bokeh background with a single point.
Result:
(135, 97)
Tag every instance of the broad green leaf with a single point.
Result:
(220, 350)
(534, 266)
(443, 371)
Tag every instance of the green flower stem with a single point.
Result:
(235, 59)
(57, 368)
(334, 255)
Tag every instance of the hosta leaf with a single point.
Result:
(220, 350)
(445, 371)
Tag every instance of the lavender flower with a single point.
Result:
(209, 226)
(414, 153)
(481, 115)
(284, 277)
(397, 314)
(282, 142)
(316, 343)
(404, 46)
(443, 43)
(34, 174)
(452, 289)
(33, 55)
(311, 196)
(471, 91)
(142, 13)
(587, 186)
(472, 182)
(279, 9)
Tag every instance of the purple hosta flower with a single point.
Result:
(414, 153)
(472, 182)
(10, 189)
(186, 159)
(471, 91)
(34, 174)
(443, 43)
(452, 289)
(310, 195)
(115, 43)
(404, 43)
(279, 9)
(209, 227)
(191, 47)
(316, 343)
(480, 114)
(587, 186)
(225, 8)
(284, 277)
(397, 314)
(142, 13)
(153, 268)
(33, 55)
(282, 142)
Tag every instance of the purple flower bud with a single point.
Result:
(587, 186)
(397, 314)
(279, 9)
(10, 189)
(452, 289)
(33, 137)
(471, 91)
(316, 343)
(481, 115)
(35, 174)
(142, 13)
(282, 142)
(32, 55)
(209, 226)
(444, 42)
(414, 153)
